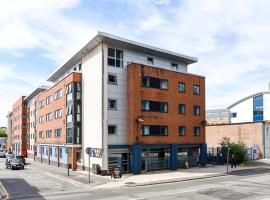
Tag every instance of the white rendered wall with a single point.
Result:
(92, 103)
(244, 111)
(266, 106)
(119, 92)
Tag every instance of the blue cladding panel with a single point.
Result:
(174, 157)
(137, 158)
(203, 154)
(258, 108)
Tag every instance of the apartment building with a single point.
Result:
(135, 104)
(139, 106)
(59, 122)
(31, 104)
(9, 130)
(19, 133)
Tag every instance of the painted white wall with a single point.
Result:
(92, 103)
(244, 111)
(266, 106)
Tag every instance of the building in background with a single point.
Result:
(253, 108)
(218, 116)
(135, 103)
(19, 133)
(31, 102)
(59, 122)
(255, 135)
(9, 130)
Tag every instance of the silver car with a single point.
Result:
(2, 154)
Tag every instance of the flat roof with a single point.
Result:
(121, 43)
(36, 92)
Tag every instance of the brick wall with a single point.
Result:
(51, 108)
(173, 119)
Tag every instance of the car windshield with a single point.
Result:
(15, 161)
(19, 157)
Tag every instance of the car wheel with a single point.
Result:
(22, 167)
(11, 168)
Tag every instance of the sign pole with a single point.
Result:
(228, 154)
(89, 168)
(68, 160)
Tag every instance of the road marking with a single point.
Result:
(7, 197)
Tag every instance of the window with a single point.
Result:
(69, 135)
(182, 108)
(196, 89)
(41, 104)
(41, 134)
(112, 104)
(150, 60)
(80, 67)
(58, 94)
(112, 79)
(111, 129)
(234, 115)
(197, 131)
(154, 106)
(69, 114)
(182, 130)
(154, 82)
(48, 117)
(78, 90)
(48, 100)
(154, 130)
(57, 132)
(69, 92)
(174, 66)
(41, 119)
(196, 110)
(115, 57)
(182, 87)
(48, 133)
(58, 114)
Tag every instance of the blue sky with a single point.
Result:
(230, 38)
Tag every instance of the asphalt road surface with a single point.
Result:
(35, 183)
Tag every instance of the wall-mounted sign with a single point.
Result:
(94, 152)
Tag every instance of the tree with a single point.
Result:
(238, 149)
(3, 133)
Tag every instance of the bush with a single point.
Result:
(3, 134)
(238, 149)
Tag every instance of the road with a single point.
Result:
(36, 183)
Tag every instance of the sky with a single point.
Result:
(230, 38)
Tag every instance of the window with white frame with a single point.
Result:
(58, 114)
(112, 104)
(115, 57)
(58, 94)
(112, 79)
(111, 129)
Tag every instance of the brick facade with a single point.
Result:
(173, 119)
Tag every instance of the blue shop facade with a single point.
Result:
(139, 158)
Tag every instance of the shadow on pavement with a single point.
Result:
(19, 189)
(244, 172)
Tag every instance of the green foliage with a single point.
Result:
(238, 149)
(3, 133)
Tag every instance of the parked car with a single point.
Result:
(2, 154)
(15, 164)
(21, 158)
(9, 157)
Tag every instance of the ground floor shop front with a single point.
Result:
(142, 158)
